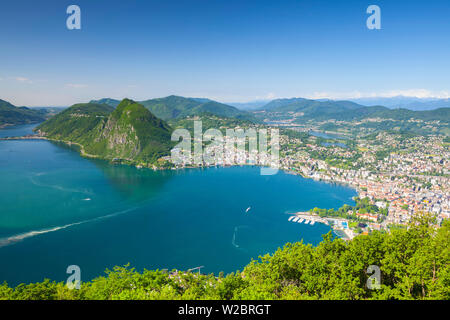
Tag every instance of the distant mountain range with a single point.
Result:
(129, 132)
(308, 109)
(12, 115)
(305, 105)
(251, 105)
(411, 103)
(175, 107)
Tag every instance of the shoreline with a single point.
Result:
(342, 233)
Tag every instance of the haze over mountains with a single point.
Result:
(411, 103)
(249, 106)
(174, 107)
(307, 109)
(177, 107)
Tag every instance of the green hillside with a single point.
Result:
(179, 107)
(170, 107)
(12, 115)
(111, 102)
(176, 107)
(74, 123)
(129, 132)
(210, 121)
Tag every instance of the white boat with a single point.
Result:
(300, 221)
(312, 222)
(295, 219)
(306, 221)
(291, 218)
(248, 209)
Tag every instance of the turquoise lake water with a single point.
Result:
(326, 135)
(59, 209)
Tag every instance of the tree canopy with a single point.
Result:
(414, 264)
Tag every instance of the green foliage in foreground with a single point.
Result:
(414, 264)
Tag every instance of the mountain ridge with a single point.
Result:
(12, 115)
(349, 111)
(130, 132)
(172, 107)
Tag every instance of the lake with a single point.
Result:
(326, 135)
(59, 209)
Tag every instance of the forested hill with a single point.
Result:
(298, 104)
(129, 132)
(110, 102)
(308, 109)
(413, 264)
(12, 115)
(176, 107)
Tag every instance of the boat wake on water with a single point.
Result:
(57, 187)
(19, 237)
(233, 240)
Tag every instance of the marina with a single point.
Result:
(339, 225)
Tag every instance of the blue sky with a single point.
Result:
(234, 50)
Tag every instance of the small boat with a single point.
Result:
(300, 221)
(312, 222)
(306, 221)
(248, 209)
(292, 217)
(87, 199)
(295, 219)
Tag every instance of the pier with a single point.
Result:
(339, 225)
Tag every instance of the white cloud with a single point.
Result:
(270, 96)
(418, 93)
(23, 80)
